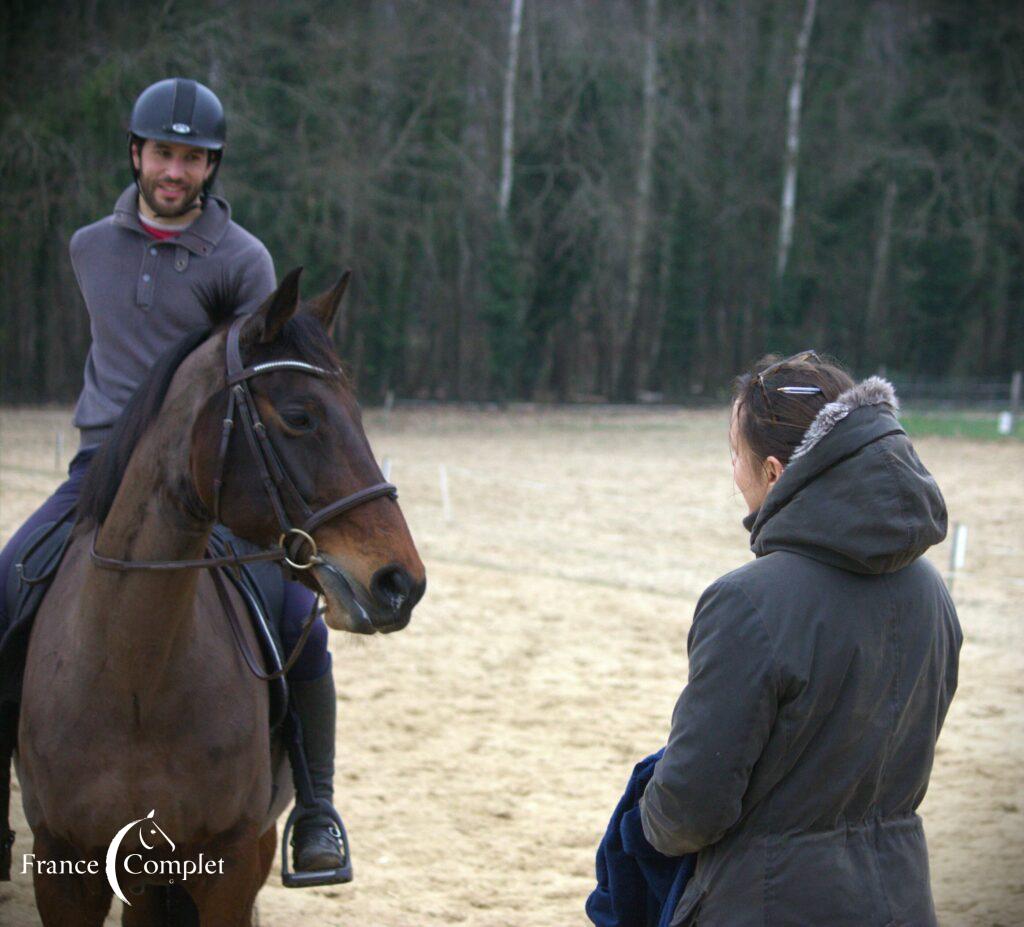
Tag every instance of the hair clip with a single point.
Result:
(798, 390)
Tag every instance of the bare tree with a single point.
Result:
(509, 108)
(622, 332)
(875, 318)
(796, 89)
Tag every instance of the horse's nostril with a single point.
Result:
(391, 587)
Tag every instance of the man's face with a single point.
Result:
(171, 176)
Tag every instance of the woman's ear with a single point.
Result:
(773, 470)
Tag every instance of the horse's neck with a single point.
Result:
(143, 617)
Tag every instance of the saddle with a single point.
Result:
(261, 586)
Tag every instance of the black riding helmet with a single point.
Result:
(183, 111)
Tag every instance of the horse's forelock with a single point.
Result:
(303, 338)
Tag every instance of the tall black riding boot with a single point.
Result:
(315, 840)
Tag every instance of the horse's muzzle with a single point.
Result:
(386, 607)
(395, 595)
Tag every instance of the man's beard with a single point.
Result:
(148, 189)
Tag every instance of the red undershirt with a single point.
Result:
(160, 234)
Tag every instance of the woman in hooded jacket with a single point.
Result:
(819, 673)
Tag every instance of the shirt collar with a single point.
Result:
(201, 237)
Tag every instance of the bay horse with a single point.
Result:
(135, 696)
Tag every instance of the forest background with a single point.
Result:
(558, 200)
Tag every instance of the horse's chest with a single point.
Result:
(113, 726)
(198, 753)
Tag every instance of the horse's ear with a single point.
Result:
(265, 323)
(324, 308)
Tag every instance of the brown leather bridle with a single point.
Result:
(276, 482)
(273, 473)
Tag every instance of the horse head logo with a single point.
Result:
(148, 828)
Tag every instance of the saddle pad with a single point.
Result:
(23, 600)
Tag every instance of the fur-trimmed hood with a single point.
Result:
(855, 494)
(874, 391)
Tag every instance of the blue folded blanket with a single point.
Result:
(636, 885)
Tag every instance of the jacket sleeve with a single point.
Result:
(720, 726)
(256, 281)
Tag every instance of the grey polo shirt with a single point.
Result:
(141, 295)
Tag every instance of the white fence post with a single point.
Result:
(957, 553)
(446, 502)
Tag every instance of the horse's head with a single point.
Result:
(367, 566)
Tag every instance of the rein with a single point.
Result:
(276, 480)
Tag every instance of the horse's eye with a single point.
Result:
(299, 420)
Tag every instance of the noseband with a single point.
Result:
(273, 474)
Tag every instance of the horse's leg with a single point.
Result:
(68, 900)
(226, 900)
(146, 908)
(160, 906)
(268, 845)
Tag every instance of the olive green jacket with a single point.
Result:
(820, 675)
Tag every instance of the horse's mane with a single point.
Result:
(301, 336)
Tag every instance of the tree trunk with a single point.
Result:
(463, 297)
(536, 75)
(622, 332)
(876, 320)
(796, 90)
(648, 360)
(509, 109)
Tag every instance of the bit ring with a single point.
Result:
(314, 557)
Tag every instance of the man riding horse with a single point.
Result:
(143, 272)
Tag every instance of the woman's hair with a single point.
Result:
(772, 423)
